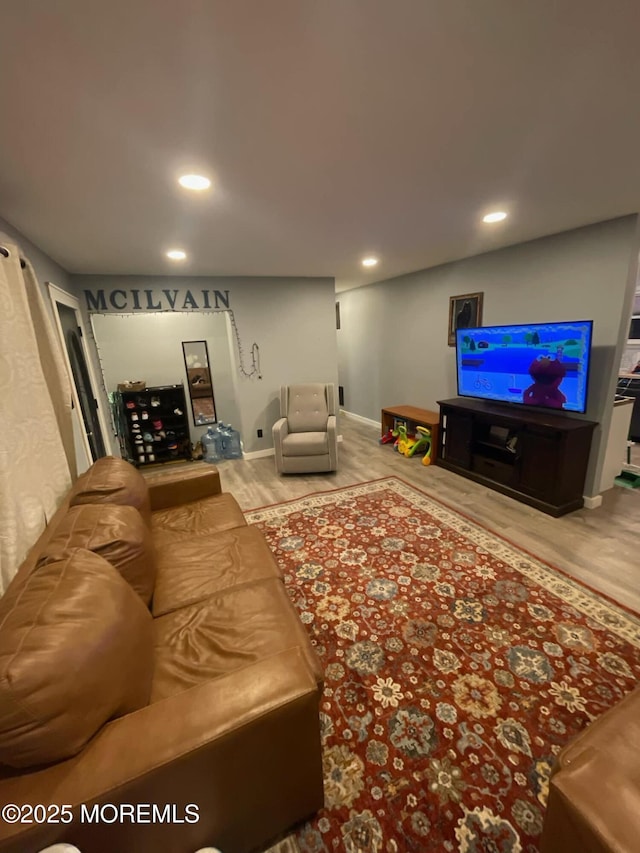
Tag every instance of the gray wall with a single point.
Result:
(46, 269)
(292, 320)
(133, 346)
(393, 339)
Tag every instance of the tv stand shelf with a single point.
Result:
(536, 457)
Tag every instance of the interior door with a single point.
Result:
(85, 397)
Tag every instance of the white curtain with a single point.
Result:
(35, 413)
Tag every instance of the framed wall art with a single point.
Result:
(465, 312)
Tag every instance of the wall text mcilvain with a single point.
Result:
(158, 300)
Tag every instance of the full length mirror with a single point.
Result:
(196, 362)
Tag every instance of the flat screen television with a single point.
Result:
(534, 364)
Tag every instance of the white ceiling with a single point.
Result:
(332, 128)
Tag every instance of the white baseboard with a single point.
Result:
(361, 418)
(258, 454)
(592, 503)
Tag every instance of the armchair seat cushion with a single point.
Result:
(305, 444)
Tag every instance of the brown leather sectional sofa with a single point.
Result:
(594, 792)
(157, 689)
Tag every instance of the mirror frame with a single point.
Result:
(192, 373)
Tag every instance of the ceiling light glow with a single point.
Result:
(496, 216)
(194, 182)
(176, 254)
(369, 262)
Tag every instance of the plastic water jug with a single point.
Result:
(232, 445)
(211, 444)
(221, 430)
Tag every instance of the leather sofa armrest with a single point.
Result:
(594, 792)
(593, 807)
(244, 748)
(181, 487)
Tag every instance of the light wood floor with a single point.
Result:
(600, 547)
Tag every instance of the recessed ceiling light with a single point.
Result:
(369, 262)
(176, 254)
(496, 216)
(194, 182)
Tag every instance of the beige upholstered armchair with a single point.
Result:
(305, 437)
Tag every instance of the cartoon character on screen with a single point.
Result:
(547, 374)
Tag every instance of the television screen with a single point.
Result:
(541, 364)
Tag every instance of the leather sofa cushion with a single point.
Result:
(225, 633)
(199, 518)
(117, 533)
(76, 649)
(112, 481)
(194, 569)
(179, 486)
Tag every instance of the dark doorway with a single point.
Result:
(82, 380)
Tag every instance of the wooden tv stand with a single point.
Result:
(538, 458)
(413, 417)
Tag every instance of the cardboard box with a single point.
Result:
(132, 385)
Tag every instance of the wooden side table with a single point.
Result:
(413, 417)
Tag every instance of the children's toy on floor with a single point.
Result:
(410, 445)
(426, 438)
(388, 437)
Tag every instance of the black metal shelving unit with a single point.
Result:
(152, 425)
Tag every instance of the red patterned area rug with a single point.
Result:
(457, 666)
